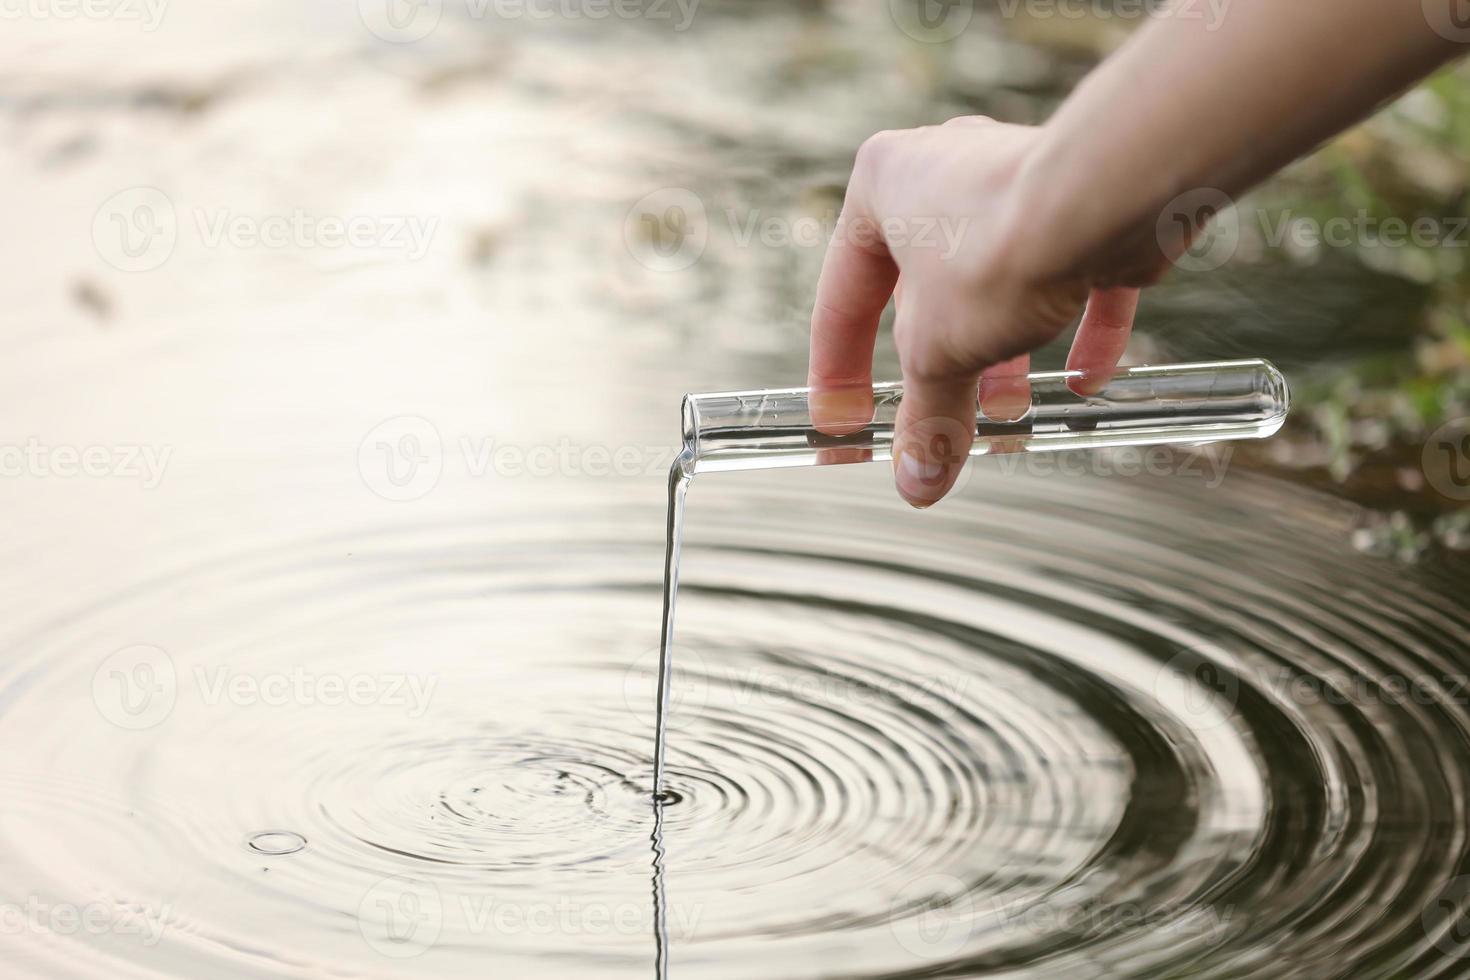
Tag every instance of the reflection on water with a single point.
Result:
(1090, 728)
(360, 680)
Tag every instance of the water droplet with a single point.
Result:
(277, 842)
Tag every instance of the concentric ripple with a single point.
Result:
(1076, 730)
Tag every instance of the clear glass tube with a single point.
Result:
(1174, 403)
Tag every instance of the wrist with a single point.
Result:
(1034, 226)
(1068, 222)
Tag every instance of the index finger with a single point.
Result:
(856, 281)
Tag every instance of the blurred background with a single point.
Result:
(354, 334)
(579, 210)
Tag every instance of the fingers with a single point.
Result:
(933, 436)
(935, 427)
(1005, 396)
(856, 281)
(1005, 391)
(1101, 338)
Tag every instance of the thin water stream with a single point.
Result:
(680, 475)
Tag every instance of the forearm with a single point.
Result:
(1183, 107)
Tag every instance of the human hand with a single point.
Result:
(940, 219)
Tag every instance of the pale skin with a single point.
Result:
(1063, 220)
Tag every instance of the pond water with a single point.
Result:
(340, 659)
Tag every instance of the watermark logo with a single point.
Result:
(400, 21)
(1197, 689)
(1446, 459)
(688, 691)
(932, 21)
(1450, 19)
(401, 917)
(402, 458)
(933, 916)
(1199, 231)
(136, 687)
(1446, 919)
(136, 230)
(932, 452)
(667, 230)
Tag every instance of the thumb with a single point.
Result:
(933, 435)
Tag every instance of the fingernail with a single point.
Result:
(1005, 402)
(919, 481)
(841, 411)
(1089, 383)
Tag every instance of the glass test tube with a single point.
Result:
(1175, 403)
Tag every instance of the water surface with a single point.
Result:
(1099, 727)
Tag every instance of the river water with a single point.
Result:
(341, 659)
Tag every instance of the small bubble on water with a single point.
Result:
(277, 842)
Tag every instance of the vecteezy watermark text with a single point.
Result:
(148, 13)
(408, 21)
(138, 229)
(1203, 229)
(33, 458)
(1209, 465)
(405, 916)
(299, 686)
(36, 916)
(936, 915)
(670, 229)
(941, 21)
(402, 458)
(1206, 689)
(699, 681)
(1209, 12)
(138, 687)
(409, 234)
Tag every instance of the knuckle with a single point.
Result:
(970, 120)
(874, 149)
(935, 359)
